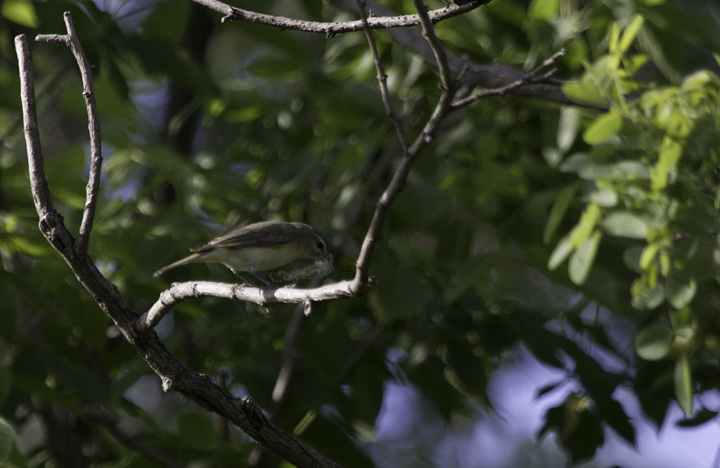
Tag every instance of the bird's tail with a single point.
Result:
(189, 259)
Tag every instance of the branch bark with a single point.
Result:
(175, 376)
(331, 29)
(93, 186)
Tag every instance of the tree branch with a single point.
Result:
(38, 182)
(178, 292)
(331, 29)
(399, 179)
(382, 78)
(175, 376)
(446, 79)
(466, 71)
(91, 191)
(525, 79)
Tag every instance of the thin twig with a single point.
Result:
(331, 29)
(396, 185)
(382, 78)
(38, 181)
(93, 185)
(528, 78)
(446, 79)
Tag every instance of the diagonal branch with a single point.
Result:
(331, 29)
(91, 191)
(244, 413)
(382, 78)
(397, 184)
(446, 79)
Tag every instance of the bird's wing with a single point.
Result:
(255, 235)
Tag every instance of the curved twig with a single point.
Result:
(91, 191)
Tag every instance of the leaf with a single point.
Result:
(654, 342)
(701, 417)
(7, 439)
(543, 9)
(670, 152)
(582, 259)
(561, 252)
(567, 127)
(625, 224)
(586, 225)
(648, 298)
(559, 209)
(614, 414)
(604, 197)
(584, 91)
(632, 256)
(680, 293)
(604, 127)
(683, 384)
(628, 35)
(21, 12)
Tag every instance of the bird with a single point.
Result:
(259, 247)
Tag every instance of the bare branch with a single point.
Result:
(331, 29)
(382, 79)
(446, 79)
(466, 71)
(178, 292)
(397, 183)
(524, 80)
(91, 191)
(40, 191)
(175, 376)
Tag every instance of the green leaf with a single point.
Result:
(680, 292)
(682, 379)
(604, 197)
(585, 226)
(543, 9)
(21, 12)
(7, 439)
(654, 342)
(631, 258)
(567, 127)
(582, 259)
(558, 211)
(648, 298)
(582, 91)
(630, 32)
(561, 252)
(670, 152)
(625, 224)
(604, 127)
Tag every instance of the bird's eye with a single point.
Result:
(319, 244)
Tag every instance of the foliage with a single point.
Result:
(521, 215)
